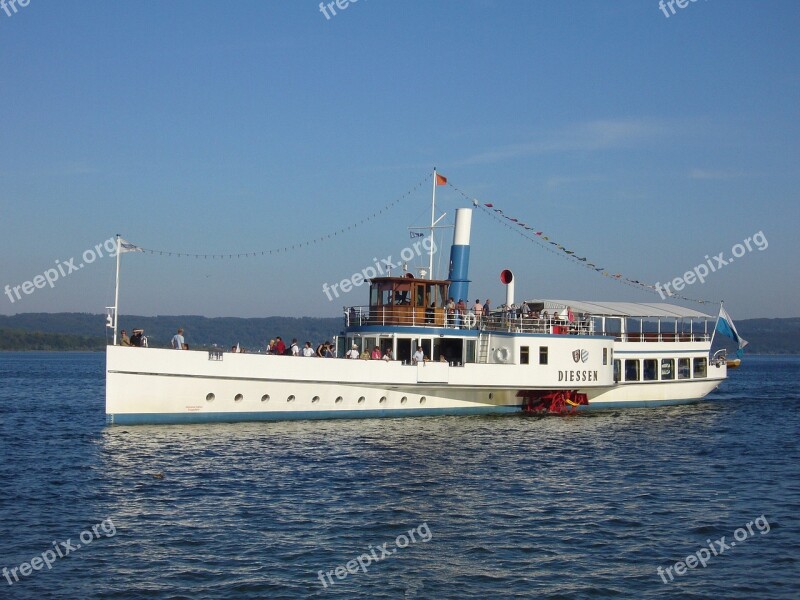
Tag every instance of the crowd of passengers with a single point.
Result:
(457, 311)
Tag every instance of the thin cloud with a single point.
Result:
(584, 137)
(707, 174)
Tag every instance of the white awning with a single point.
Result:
(625, 309)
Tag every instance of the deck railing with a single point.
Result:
(405, 316)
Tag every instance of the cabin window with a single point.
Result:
(650, 369)
(524, 355)
(401, 294)
(420, 295)
(631, 369)
(605, 356)
(442, 300)
(426, 346)
(667, 368)
(403, 350)
(542, 355)
(683, 368)
(387, 295)
(700, 367)
(432, 296)
(470, 355)
(617, 370)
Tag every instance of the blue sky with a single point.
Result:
(640, 141)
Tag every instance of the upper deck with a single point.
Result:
(402, 303)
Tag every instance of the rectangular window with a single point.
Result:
(605, 356)
(421, 295)
(542, 355)
(631, 369)
(667, 368)
(683, 368)
(524, 355)
(700, 367)
(617, 370)
(650, 369)
(470, 356)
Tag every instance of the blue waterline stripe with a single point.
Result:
(235, 417)
(239, 417)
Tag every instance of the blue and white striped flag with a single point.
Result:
(726, 327)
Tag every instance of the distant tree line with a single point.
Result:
(18, 340)
(200, 332)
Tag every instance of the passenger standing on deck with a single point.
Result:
(478, 310)
(308, 350)
(376, 353)
(461, 310)
(450, 313)
(486, 307)
(280, 347)
(353, 352)
(125, 340)
(271, 347)
(178, 341)
(419, 356)
(295, 348)
(388, 355)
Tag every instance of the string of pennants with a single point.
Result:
(297, 245)
(530, 233)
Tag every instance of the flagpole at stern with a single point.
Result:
(713, 333)
(116, 293)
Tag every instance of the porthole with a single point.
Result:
(491, 396)
(361, 400)
(404, 399)
(422, 400)
(210, 397)
(265, 398)
(382, 400)
(290, 398)
(338, 400)
(238, 398)
(315, 399)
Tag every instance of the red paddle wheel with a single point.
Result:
(552, 402)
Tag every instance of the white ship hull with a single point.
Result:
(148, 385)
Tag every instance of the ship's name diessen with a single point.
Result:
(584, 375)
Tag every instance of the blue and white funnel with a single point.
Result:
(459, 256)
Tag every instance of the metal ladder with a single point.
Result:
(483, 348)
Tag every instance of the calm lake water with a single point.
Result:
(448, 507)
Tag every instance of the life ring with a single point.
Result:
(502, 354)
(470, 320)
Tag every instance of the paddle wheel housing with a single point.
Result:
(554, 402)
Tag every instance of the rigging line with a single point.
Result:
(297, 245)
(562, 252)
